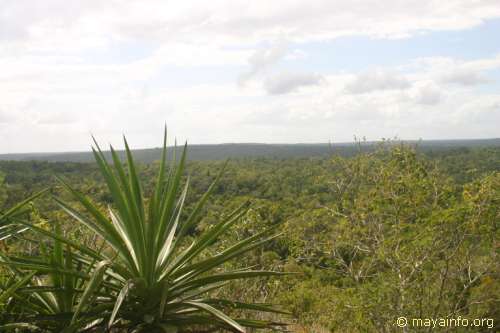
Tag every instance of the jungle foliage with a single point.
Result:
(384, 233)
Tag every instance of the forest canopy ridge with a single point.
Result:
(200, 152)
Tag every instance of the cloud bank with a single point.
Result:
(237, 71)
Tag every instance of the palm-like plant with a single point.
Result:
(149, 278)
(50, 294)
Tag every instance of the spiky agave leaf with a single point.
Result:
(51, 296)
(161, 279)
(153, 279)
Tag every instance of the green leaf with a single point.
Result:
(5, 295)
(119, 300)
(14, 326)
(92, 286)
(218, 314)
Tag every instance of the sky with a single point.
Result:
(281, 71)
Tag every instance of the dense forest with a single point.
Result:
(211, 152)
(369, 236)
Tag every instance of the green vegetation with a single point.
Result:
(375, 234)
(145, 276)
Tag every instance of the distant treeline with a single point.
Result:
(254, 150)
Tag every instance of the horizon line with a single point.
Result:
(263, 143)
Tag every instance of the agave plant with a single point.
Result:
(151, 276)
(46, 299)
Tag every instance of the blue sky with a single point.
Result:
(239, 71)
(360, 53)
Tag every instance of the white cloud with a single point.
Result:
(57, 118)
(377, 80)
(455, 71)
(465, 78)
(5, 117)
(234, 21)
(105, 67)
(288, 82)
(264, 58)
(427, 93)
